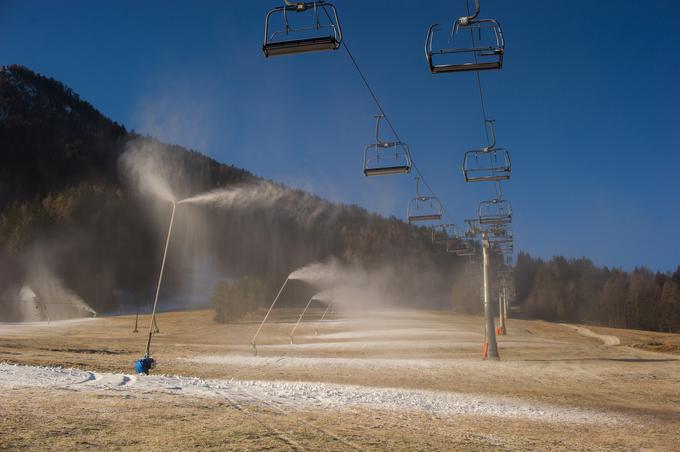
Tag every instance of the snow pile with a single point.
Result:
(13, 376)
(305, 395)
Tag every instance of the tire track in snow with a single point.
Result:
(276, 362)
(306, 423)
(279, 434)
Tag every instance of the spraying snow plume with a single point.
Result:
(324, 295)
(262, 193)
(143, 165)
(323, 274)
(301, 206)
(356, 285)
(43, 297)
(353, 285)
(61, 301)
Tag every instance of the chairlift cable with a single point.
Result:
(498, 189)
(479, 78)
(343, 43)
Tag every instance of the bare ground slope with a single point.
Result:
(372, 381)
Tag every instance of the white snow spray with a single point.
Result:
(352, 285)
(301, 206)
(43, 297)
(325, 275)
(262, 193)
(143, 164)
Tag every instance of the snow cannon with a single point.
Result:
(144, 365)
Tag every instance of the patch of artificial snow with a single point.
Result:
(9, 328)
(391, 333)
(306, 395)
(391, 345)
(310, 362)
(45, 377)
(606, 339)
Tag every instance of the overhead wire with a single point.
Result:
(499, 192)
(377, 103)
(479, 79)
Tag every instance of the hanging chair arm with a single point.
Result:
(378, 117)
(465, 20)
(490, 125)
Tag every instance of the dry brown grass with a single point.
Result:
(542, 363)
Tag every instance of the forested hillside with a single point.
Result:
(68, 207)
(67, 204)
(578, 291)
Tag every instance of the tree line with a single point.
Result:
(576, 290)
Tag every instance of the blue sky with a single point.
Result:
(587, 104)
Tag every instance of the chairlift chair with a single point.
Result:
(443, 233)
(386, 157)
(504, 249)
(474, 228)
(484, 54)
(496, 240)
(323, 34)
(496, 212)
(489, 164)
(461, 247)
(424, 208)
(501, 233)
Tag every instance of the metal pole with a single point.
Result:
(501, 317)
(505, 305)
(501, 308)
(490, 346)
(316, 331)
(326, 311)
(253, 341)
(292, 333)
(136, 318)
(152, 323)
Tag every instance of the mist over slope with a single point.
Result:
(71, 200)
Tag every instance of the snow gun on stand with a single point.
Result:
(145, 364)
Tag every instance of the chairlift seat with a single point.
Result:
(475, 58)
(424, 208)
(443, 233)
(383, 158)
(325, 28)
(428, 217)
(486, 165)
(495, 212)
(461, 247)
(445, 68)
(387, 170)
(300, 46)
